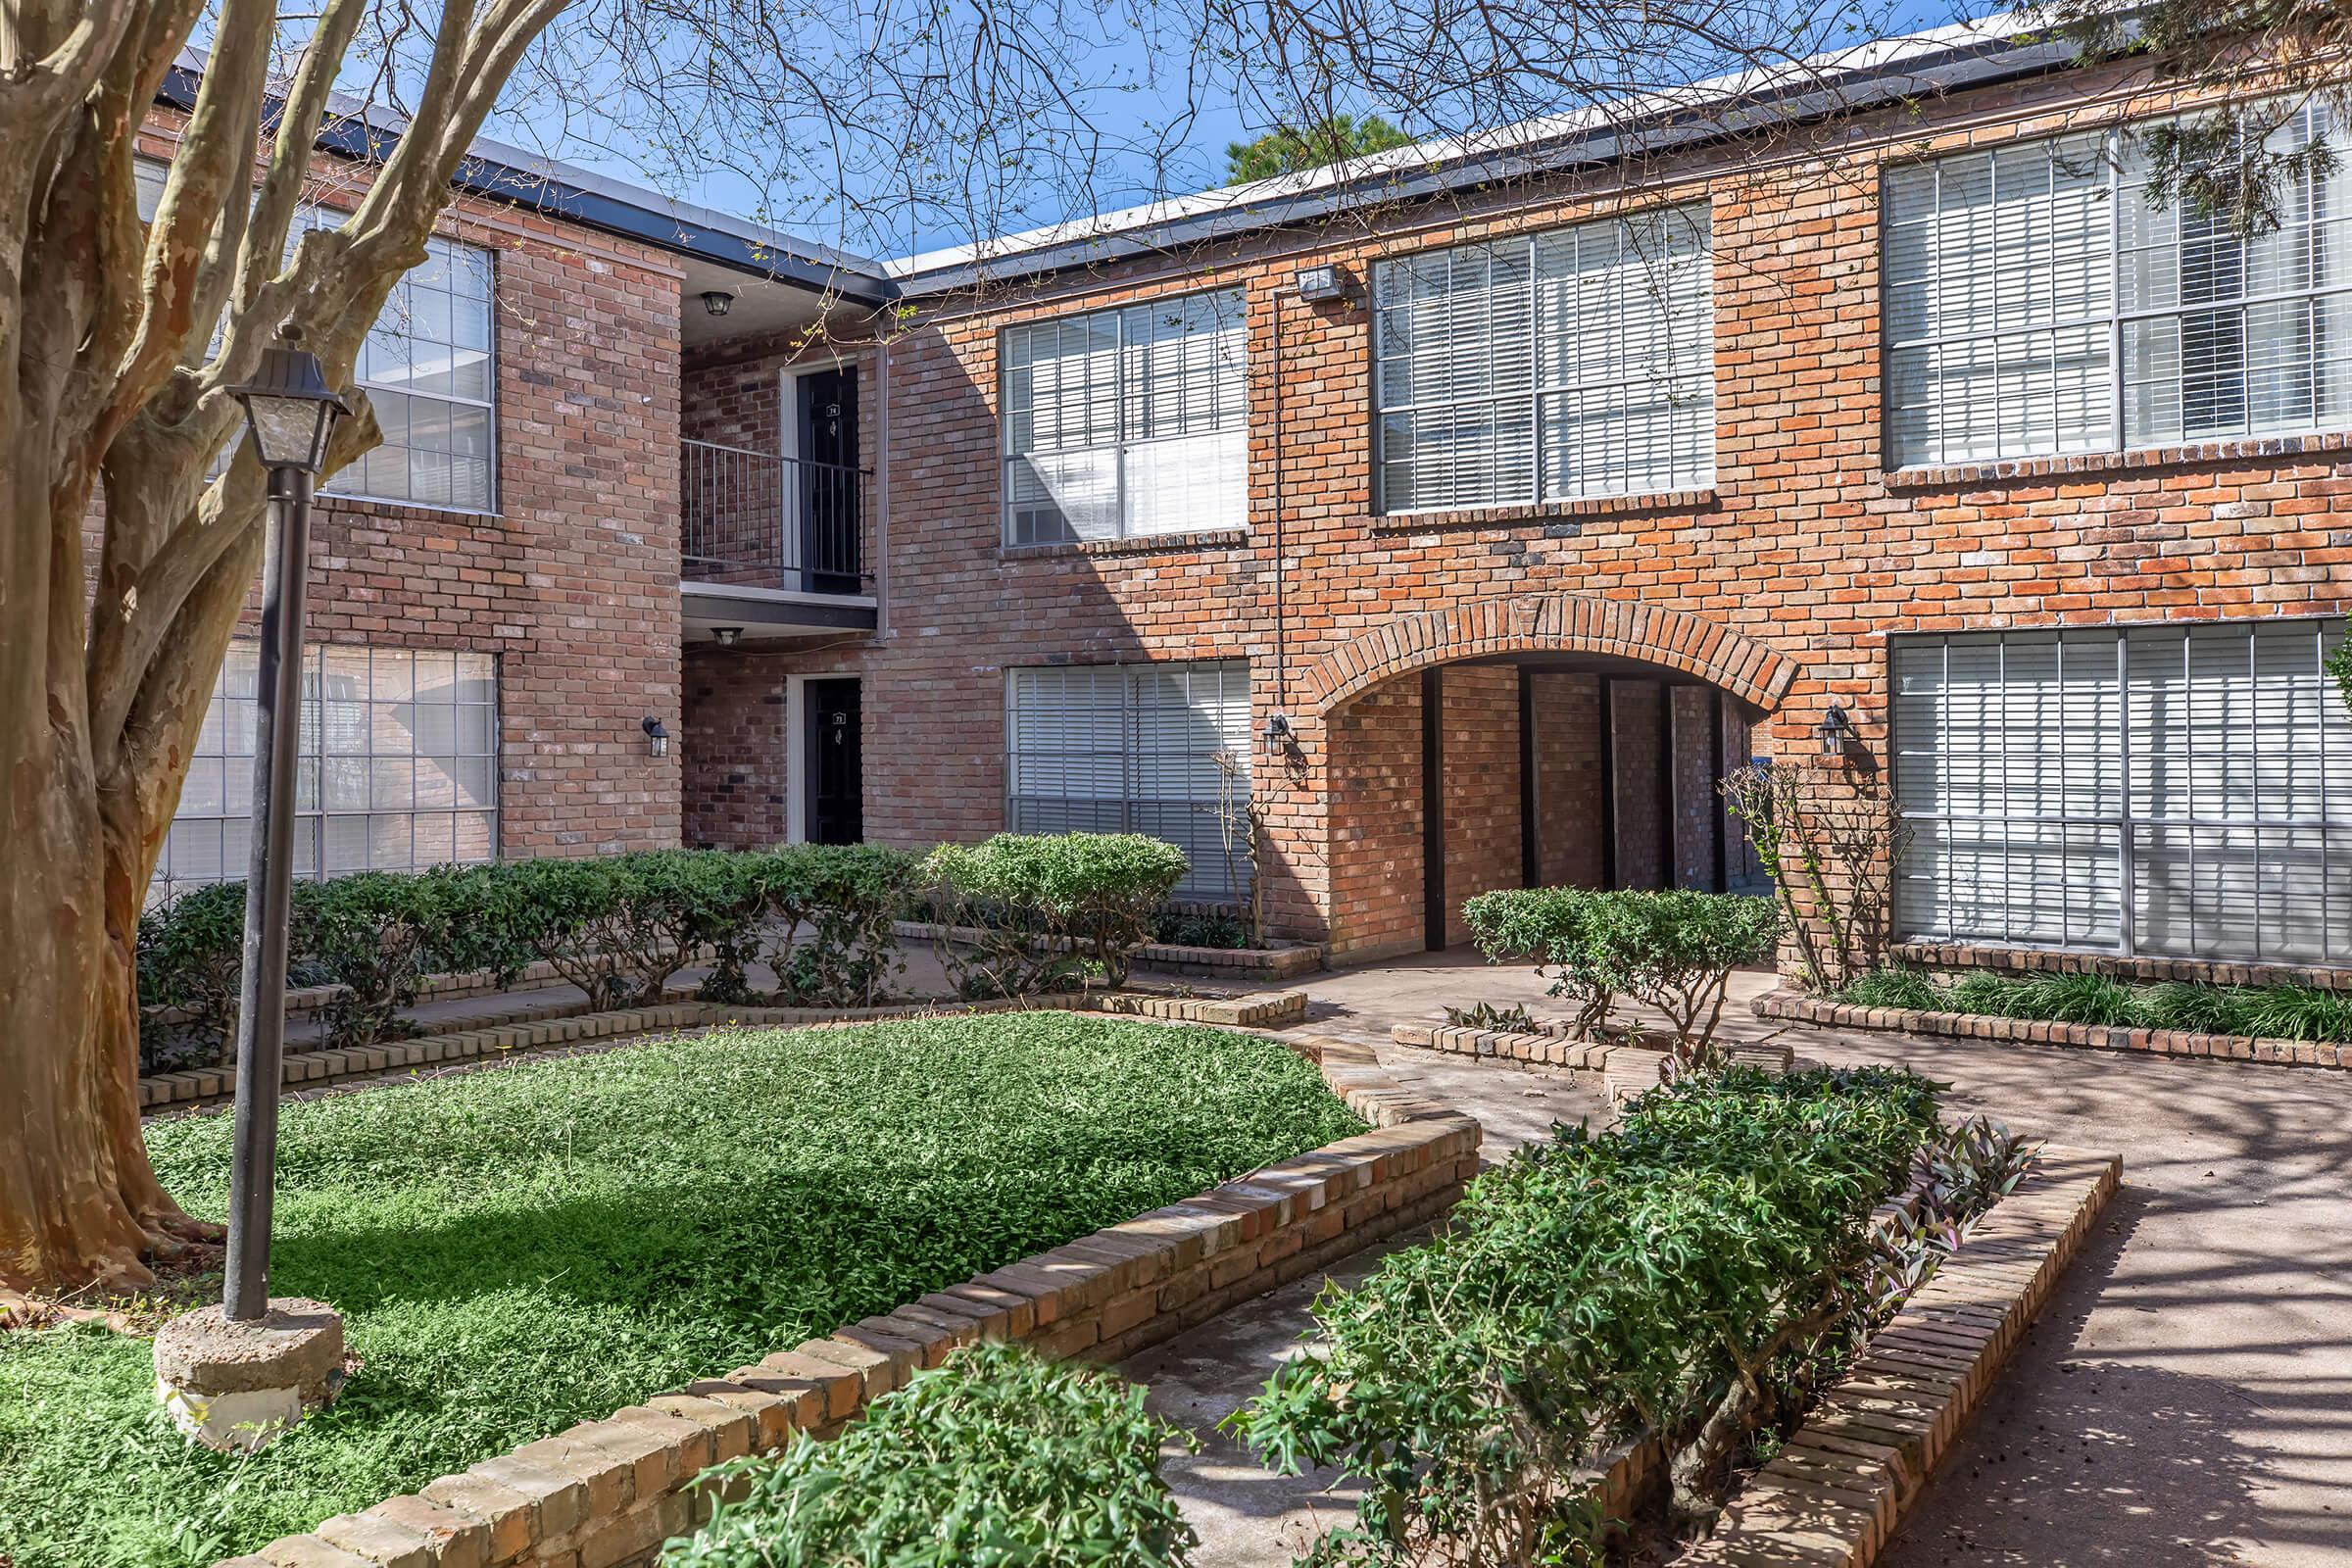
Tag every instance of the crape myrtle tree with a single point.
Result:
(130, 546)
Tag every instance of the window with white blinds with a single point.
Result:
(2170, 791)
(2038, 302)
(397, 771)
(1136, 748)
(1126, 421)
(429, 367)
(1572, 364)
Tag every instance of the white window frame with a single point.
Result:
(2139, 835)
(1123, 446)
(1538, 389)
(2115, 323)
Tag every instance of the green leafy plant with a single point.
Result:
(994, 1459)
(1514, 1018)
(1830, 836)
(1645, 1277)
(1982, 991)
(1046, 905)
(367, 934)
(1674, 949)
(832, 910)
(2298, 1013)
(2080, 998)
(2194, 1009)
(191, 964)
(2339, 666)
(1909, 990)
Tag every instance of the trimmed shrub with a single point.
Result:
(821, 916)
(191, 962)
(1048, 904)
(1674, 949)
(368, 933)
(994, 1459)
(1649, 1276)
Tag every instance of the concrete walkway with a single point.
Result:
(2186, 1398)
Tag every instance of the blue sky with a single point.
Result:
(1129, 86)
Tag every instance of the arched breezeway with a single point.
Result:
(1535, 742)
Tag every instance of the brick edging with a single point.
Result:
(2054, 960)
(1838, 1488)
(1795, 1006)
(611, 1491)
(1554, 1046)
(573, 1024)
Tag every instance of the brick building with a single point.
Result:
(1472, 527)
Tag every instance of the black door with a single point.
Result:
(836, 793)
(830, 481)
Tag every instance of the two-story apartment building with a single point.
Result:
(1470, 528)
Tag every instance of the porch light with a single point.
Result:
(718, 300)
(290, 410)
(657, 738)
(1321, 284)
(1278, 730)
(1835, 730)
(727, 636)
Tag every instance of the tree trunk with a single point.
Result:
(78, 1202)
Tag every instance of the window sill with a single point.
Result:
(1149, 544)
(402, 511)
(1539, 512)
(1935, 476)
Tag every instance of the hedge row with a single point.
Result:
(2275, 1012)
(1650, 1278)
(1052, 911)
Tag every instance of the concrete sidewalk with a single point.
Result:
(2186, 1398)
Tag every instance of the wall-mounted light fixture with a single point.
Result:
(1278, 730)
(1322, 284)
(657, 738)
(1836, 732)
(718, 300)
(729, 636)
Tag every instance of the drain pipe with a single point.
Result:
(1278, 723)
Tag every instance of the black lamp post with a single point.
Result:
(291, 412)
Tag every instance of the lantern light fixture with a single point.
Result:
(657, 737)
(727, 636)
(1835, 730)
(290, 410)
(718, 300)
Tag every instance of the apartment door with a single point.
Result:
(832, 774)
(829, 480)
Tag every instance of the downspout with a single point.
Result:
(882, 491)
(1282, 691)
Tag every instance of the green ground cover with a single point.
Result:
(520, 1248)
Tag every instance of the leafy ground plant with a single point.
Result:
(995, 1459)
(518, 1248)
(1486, 1016)
(1651, 1275)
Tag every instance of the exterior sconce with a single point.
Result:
(657, 739)
(727, 636)
(1322, 284)
(1835, 730)
(1278, 730)
(718, 300)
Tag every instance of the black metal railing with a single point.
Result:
(754, 520)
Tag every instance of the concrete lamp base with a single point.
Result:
(240, 1386)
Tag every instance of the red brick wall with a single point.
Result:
(1376, 823)
(737, 775)
(1805, 543)
(1481, 761)
(1696, 804)
(1568, 779)
(1637, 756)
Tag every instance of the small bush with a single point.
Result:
(1596, 1284)
(1486, 1016)
(1047, 904)
(1674, 949)
(995, 1459)
(1907, 989)
(1210, 928)
(830, 910)
(368, 933)
(191, 962)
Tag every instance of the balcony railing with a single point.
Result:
(756, 521)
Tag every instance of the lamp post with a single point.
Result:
(291, 412)
(237, 1375)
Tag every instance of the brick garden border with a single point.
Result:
(1838, 1488)
(1629, 1064)
(611, 1491)
(569, 1024)
(1797, 1006)
(2051, 960)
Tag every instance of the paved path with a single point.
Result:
(2186, 1399)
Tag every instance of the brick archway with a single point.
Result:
(1553, 624)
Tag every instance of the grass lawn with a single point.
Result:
(522, 1247)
